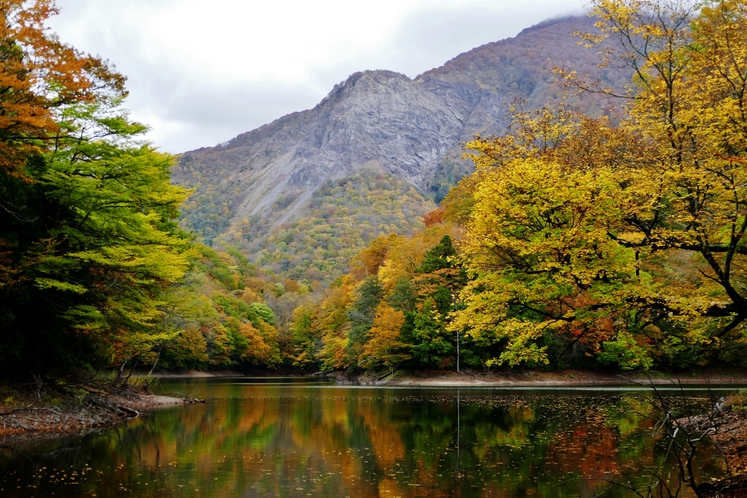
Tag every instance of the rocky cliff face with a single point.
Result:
(375, 119)
(382, 121)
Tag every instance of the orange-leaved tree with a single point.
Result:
(39, 75)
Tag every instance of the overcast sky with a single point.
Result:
(200, 73)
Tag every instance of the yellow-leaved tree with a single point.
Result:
(625, 241)
(385, 348)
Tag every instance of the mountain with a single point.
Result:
(389, 133)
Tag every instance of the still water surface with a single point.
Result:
(285, 438)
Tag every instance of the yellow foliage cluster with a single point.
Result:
(324, 331)
(628, 238)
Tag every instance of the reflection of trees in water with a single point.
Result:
(331, 442)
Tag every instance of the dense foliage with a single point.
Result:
(343, 217)
(88, 240)
(317, 245)
(219, 316)
(391, 310)
(626, 241)
(587, 242)
(94, 271)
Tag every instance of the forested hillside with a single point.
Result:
(344, 216)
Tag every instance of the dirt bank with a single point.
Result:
(32, 420)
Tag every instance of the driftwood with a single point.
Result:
(725, 487)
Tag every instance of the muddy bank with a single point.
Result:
(96, 410)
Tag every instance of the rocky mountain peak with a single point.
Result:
(385, 122)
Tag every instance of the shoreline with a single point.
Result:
(529, 378)
(97, 411)
(560, 378)
(35, 420)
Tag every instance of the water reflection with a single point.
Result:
(273, 439)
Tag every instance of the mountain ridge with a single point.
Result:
(386, 122)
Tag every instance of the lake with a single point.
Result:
(307, 437)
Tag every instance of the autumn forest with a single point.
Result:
(594, 240)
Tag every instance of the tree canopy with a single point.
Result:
(88, 233)
(629, 239)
